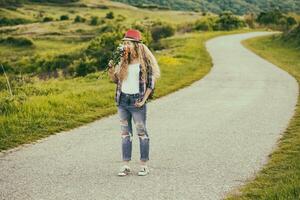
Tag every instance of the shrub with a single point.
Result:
(94, 20)
(64, 17)
(293, 36)
(185, 27)
(161, 31)
(10, 22)
(107, 28)
(271, 17)
(101, 47)
(276, 20)
(109, 15)
(120, 18)
(79, 19)
(228, 21)
(84, 66)
(20, 41)
(47, 19)
(47, 66)
(205, 24)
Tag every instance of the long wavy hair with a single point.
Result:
(137, 51)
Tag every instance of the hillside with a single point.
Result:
(217, 6)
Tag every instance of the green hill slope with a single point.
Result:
(217, 6)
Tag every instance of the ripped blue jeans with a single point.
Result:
(128, 111)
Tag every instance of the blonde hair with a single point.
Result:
(141, 52)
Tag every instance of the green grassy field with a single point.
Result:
(280, 178)
(54, 105)
(62, 37)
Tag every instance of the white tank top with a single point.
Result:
(131, 84)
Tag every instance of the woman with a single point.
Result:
(135, 76)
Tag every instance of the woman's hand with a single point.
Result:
(139, 104)
(110, 63)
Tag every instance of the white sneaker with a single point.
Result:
(143, 171)
(124, 170)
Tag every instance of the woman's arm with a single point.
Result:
(147, 93)
(149, 87)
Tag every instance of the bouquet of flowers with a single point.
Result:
(116, 57)
(118, 54)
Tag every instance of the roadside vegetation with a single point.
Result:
(280, 177)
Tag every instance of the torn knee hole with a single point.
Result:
(142, 135)
(125, 134)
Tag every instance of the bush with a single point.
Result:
(94, 20)
(19, 42)
(47, 19)
(46, 66)
(101, 47)
(185, 27)
(161, 31)
(64, 17)
(107, 28)
(228, 21)
(205, 24)
(293, 36)
(271, 17)
(276, 20)
(120, 18)
(84, 66)
(109, 15)
(10, 22)
(79, 19)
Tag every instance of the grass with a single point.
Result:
(57, 37)
(280, 177)
(46, 107)
(42, 48)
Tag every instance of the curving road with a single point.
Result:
(205, 139)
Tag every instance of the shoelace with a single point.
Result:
(143, 169)
(125, 168)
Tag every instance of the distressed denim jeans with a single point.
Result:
(128, 111)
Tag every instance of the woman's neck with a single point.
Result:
(134, 61)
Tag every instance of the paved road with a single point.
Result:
(205, 139)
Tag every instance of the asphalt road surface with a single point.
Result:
(205, 139)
